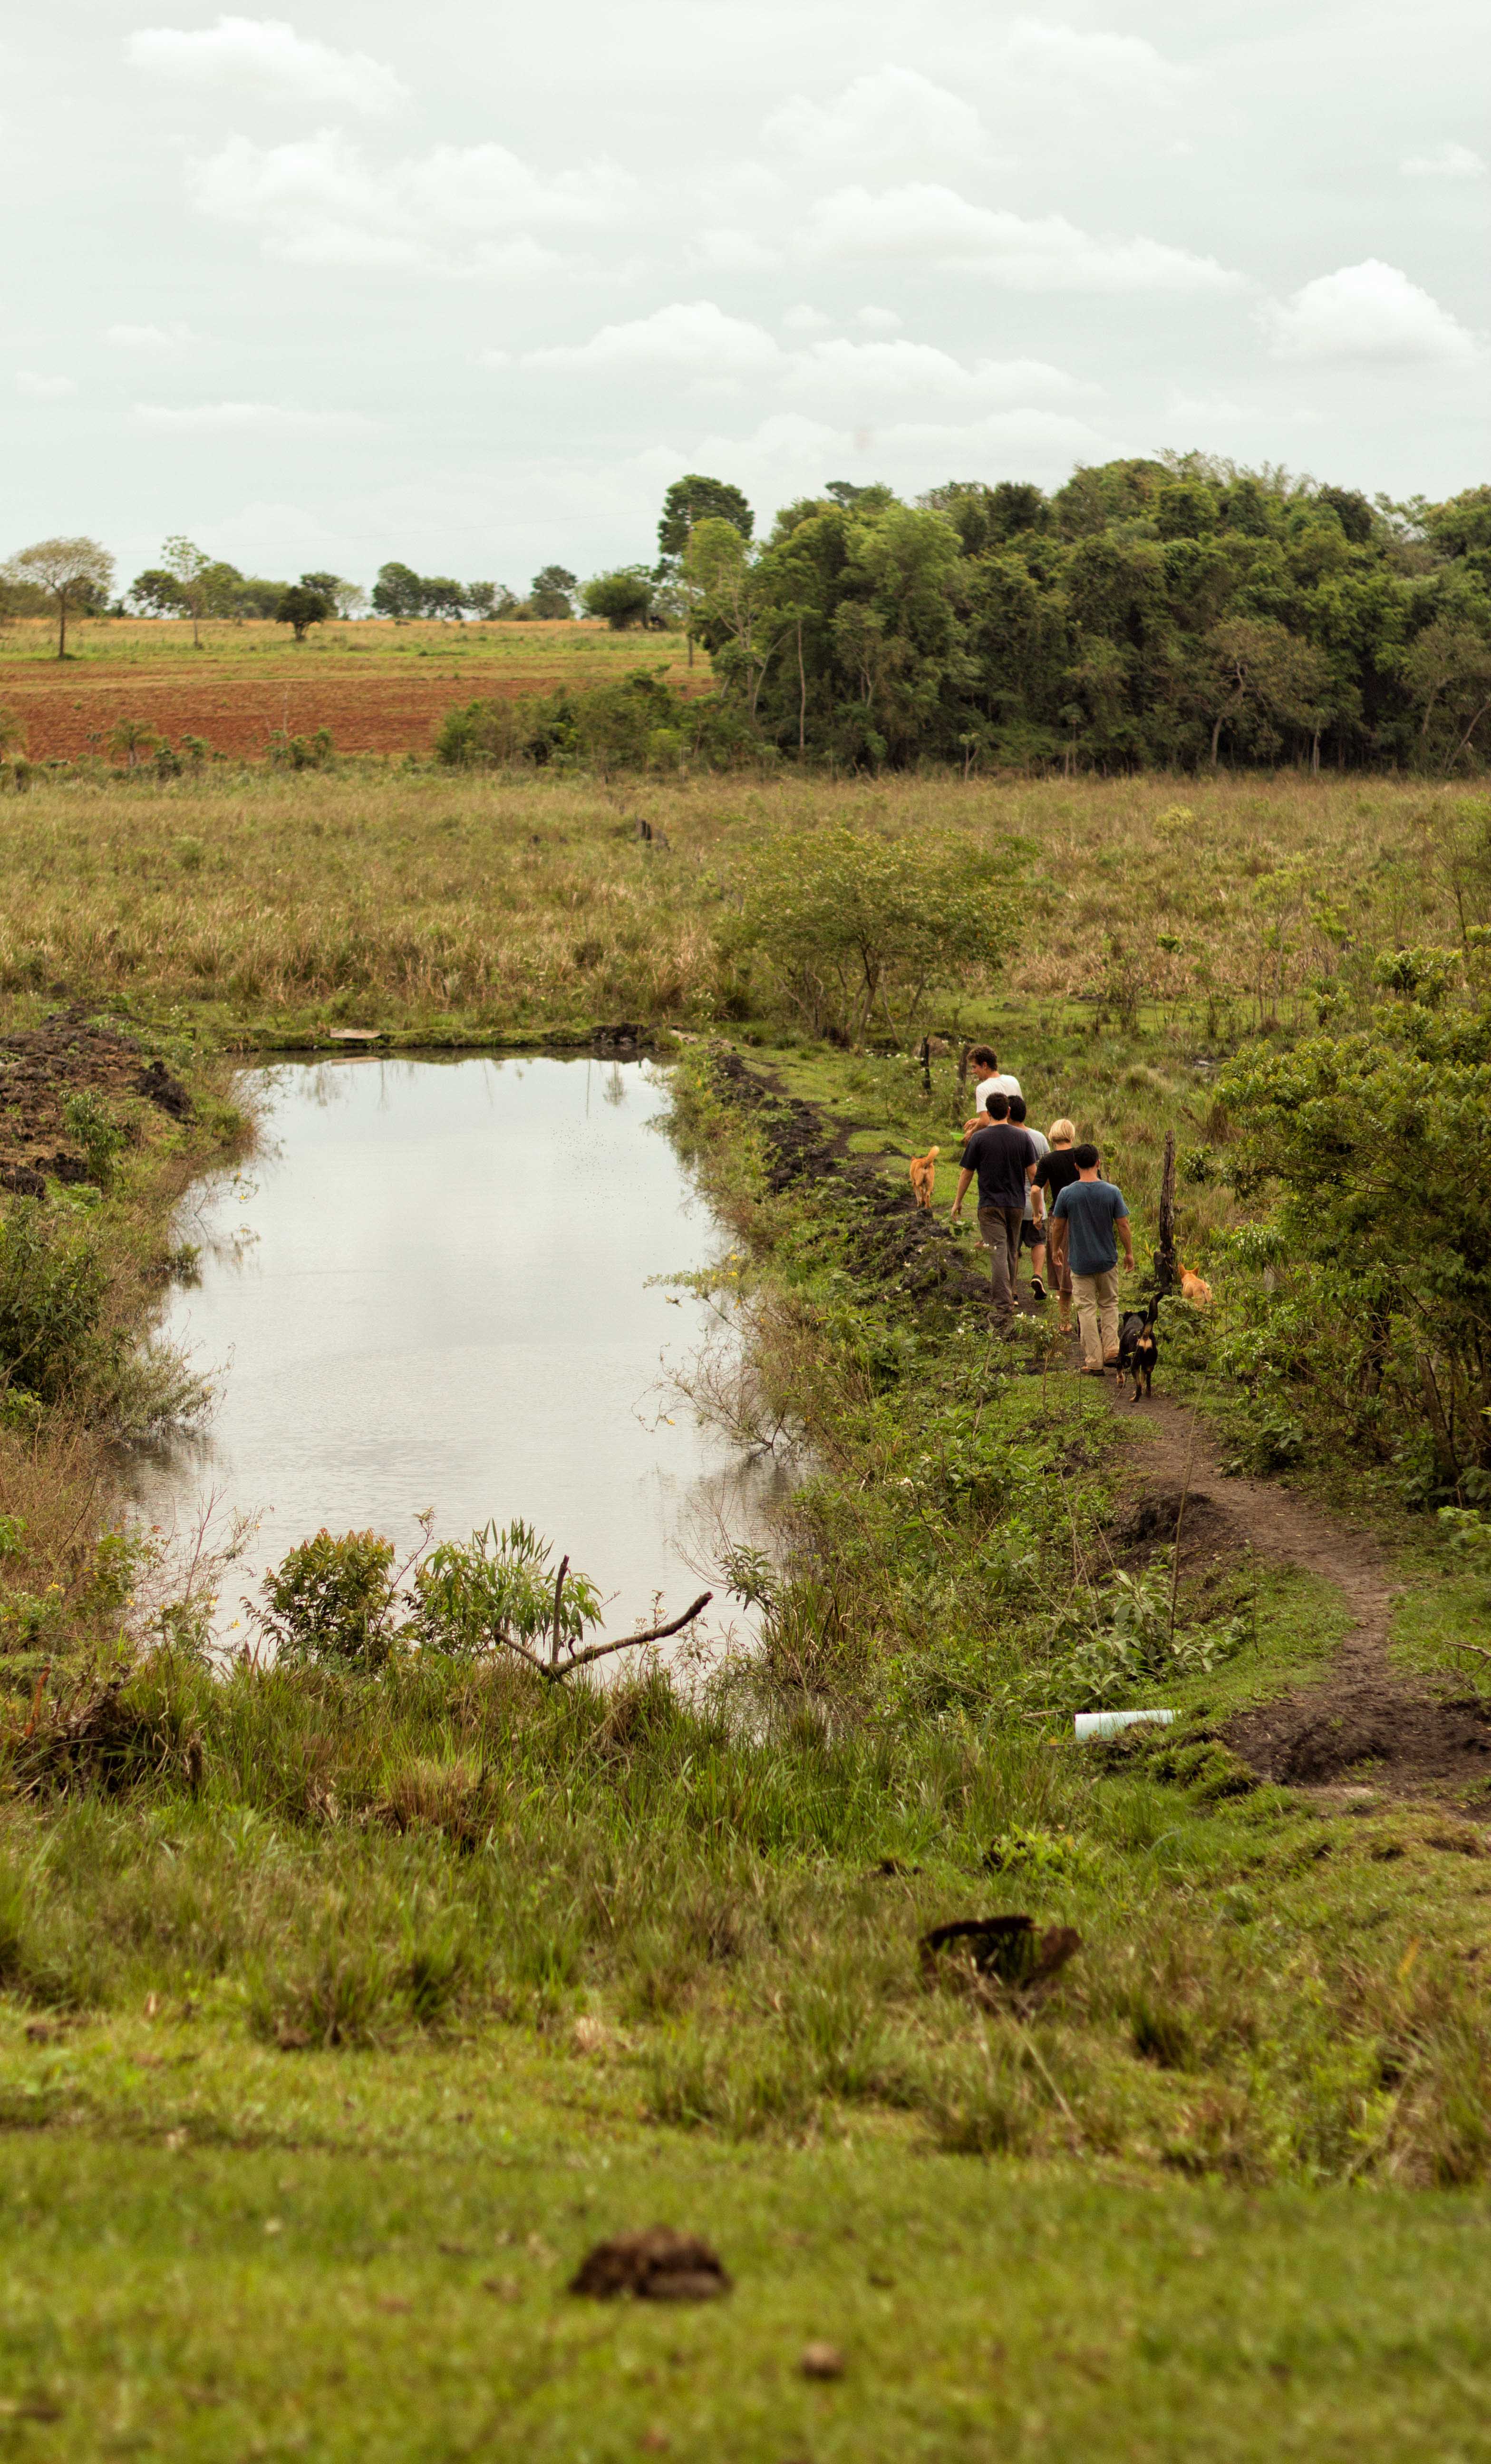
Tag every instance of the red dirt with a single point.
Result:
(237, 714)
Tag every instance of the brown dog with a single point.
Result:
(923, 1173)
(1195, 1288)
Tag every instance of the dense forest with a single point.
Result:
(1174, 613)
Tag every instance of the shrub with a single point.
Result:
(639, 724)
(332, 1601)
(473, 1599)
(53, 1286)
(89, 1121)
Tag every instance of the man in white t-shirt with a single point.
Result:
(992, 1079)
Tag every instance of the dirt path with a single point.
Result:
(1407, 1735)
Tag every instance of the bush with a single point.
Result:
(641, 723)
(332, 1601)
(499, 1587)
(52, 1288)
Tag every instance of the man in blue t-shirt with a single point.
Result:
(1093, 1211)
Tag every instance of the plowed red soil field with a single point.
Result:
(379, 689)
(238, 714)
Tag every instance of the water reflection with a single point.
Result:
(434, 1288)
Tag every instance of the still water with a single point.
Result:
(435, 1287)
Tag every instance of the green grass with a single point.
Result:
(320, 2291)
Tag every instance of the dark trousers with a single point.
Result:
(999, 1230)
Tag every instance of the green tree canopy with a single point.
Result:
(694, 500)
(398, 591)
(624, 598)
(74, 573)
(300, 609)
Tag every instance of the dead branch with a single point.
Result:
(555, 1671)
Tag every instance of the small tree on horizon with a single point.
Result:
(398, 591)
(301, 607)
(552, 592)
(624, 598)
(189, 568)
(346, 598)
(73, 572)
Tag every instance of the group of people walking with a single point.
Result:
(1044, 1193)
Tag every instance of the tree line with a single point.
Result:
(1167, 613)
(1171, 612)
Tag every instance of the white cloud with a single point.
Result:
(887, 119)
(788, 453)
(43, 388)
(472, 208)
(247, 419)
(692, 338)
(266, 56)
(922, 221)
(1095, 68)
(148, 338)
(1369, 313)
(874, 378)
(731, 251)
(804, 319)
(1450, 161)
(879, 320)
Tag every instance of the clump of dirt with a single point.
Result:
(891, 1240)
(1418, 1741)
(655, 2265)
(1314, 1737)
(68, 1054)
(1208, 1535)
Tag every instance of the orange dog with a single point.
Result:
(1195, 1288)
(923, 1173)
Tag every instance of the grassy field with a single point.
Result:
(446, 907)
(341, 2012)
(378, 688)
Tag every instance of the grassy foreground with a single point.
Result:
(341, 2012)
(378, 2271)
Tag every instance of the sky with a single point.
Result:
(468, 285)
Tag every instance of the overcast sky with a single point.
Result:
(468, 284)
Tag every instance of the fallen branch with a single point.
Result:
(555, 1671)
(1479, 1648)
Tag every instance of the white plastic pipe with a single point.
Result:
(1107, 1724)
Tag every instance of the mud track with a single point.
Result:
(1403, 1735)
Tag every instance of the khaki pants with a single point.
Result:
(1097, 1315)
(999, 1230)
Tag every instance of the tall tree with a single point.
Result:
(695, 498)
(73, 572)
(189, 568)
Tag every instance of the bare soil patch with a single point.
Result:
(41, 1068)
(1360, 1719)
(238, 714)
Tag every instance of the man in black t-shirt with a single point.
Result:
(1004, 1158)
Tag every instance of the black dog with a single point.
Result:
(1138, 1348)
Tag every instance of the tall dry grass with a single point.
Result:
(470, 905)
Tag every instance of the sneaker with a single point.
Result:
(1037, 1288)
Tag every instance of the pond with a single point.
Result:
(437, 1284)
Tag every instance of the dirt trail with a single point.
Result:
(1407, 1735)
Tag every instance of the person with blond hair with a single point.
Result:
(1056, 1170)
